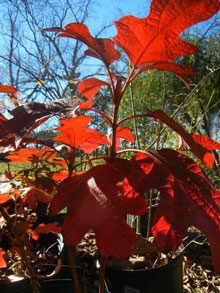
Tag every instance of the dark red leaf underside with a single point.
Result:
(187, 198)
(95, 201)
(34, 195)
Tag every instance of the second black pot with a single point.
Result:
(164, 279)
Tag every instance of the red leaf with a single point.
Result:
(156, 38)
(2, 260)
(90, 86)
(45, 229)
(33, 195)
(31, 115)
(76, 134)
(125, 133)
(95, 201)
(181, 71)
(24, 155)
(206, 142)
(4, 88)
(87, 104)
(61, 175)
(102, 49)
(4, 198)
(187, 198)
(197, 149)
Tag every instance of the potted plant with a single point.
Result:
(30, 240)
(100, 196)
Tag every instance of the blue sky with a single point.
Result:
(107, 11)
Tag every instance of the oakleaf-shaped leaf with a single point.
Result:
(76, 134)
(24, 155)
(198, 150)
(95, 201)
(156, 38)
(187, 198)
(90, 86)
(102, 49)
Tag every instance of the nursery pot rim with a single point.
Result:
(172, 262)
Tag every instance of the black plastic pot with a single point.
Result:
(165, 279)
(52, 285)
(14, 287)
(64, 286)
(57, 286)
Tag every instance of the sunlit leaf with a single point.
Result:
(76, 134)
(102, 49)
(2, 260)
(156, 37)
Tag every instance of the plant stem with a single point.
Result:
(71, 255)
(133, 114)
(102, 276)
(114, 132)
(149, 213)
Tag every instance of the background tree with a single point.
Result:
(196, 107)
(42, 66)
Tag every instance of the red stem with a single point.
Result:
(102, 114)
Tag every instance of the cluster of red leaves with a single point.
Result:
(187, 198)
(23, 225)
(100, 198)
(76, 134)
